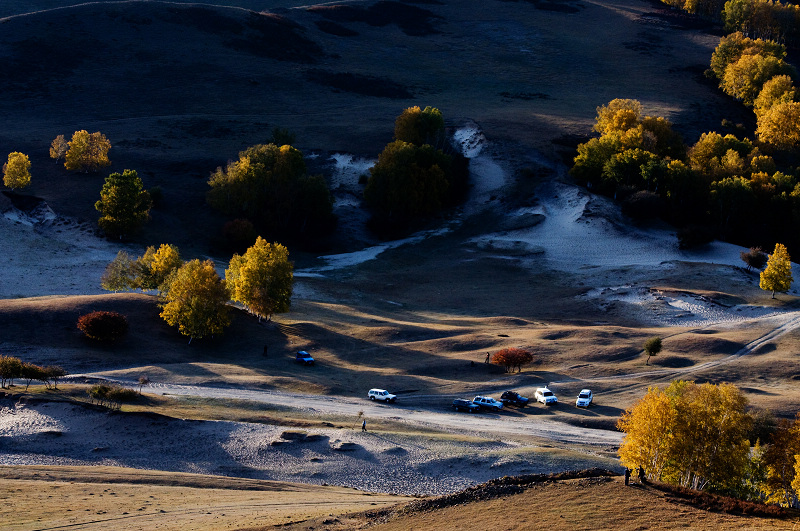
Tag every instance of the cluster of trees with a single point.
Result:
(702, 436)
(269, 187)
(511, 358)
(194, 298)
(755, 72)
(763, 19)
(85, 152)
(418, 174)
(12, 368)
(724, 185)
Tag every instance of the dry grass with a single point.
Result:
(579, 504)
(100, 497)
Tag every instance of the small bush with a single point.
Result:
(103, 326)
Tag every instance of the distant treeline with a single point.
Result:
(757, 19)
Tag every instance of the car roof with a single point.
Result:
(378, 390)
(585, 391)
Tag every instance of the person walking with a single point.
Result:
(364, 425)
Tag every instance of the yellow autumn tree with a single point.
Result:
(196, 300)
(691, 435)
(155, 266)
(780, 125)
(262, 278)
(648, 429)
(87, 152)
(777, 276)
(17, 171)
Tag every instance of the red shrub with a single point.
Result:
(103, 326)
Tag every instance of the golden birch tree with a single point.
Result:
(262, 278)
(777, 276)
(196, 301)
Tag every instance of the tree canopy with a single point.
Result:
(268, 185)
(693, 435)
(196, 301)
(86, 152)
(420, 126)
(124, 205)
(777, 276)
(155, 267)
(512, 357)
(17, 171)
(261, 279)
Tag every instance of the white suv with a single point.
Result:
(545, 396)
(486, 402)
(381, 394)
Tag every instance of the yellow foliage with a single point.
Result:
(777, 276)
(87, 152)
(196, 301)
(262, 278)
(16, 172)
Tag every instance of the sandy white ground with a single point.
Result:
(44, 254)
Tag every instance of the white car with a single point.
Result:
(545, 396)
(487, 402)
(381, 394)
(584, 398)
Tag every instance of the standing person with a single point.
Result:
(627, 476)
(487, 358)
(364, 425)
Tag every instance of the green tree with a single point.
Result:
(731, 200)
(780, 458)
(780, 126)
(262, 278)
(196, 300)
(119, 274)
(408, 182)
(17, 171)
(625, 169)
(124, 205)
(512, 357)
(87, 152)
(777, 276)
(156, 266)
(652, 347)
(268, 185)
(420, 126)
(58, 148)
(717, 157)
(30, 372)
(592, 157)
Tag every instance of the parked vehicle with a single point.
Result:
(381, 394)
(487, 402)
(584, 398)
(545, 396)
(462, 404)
(304, 358)
(512, 398)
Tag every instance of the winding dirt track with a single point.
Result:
(429, 410)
